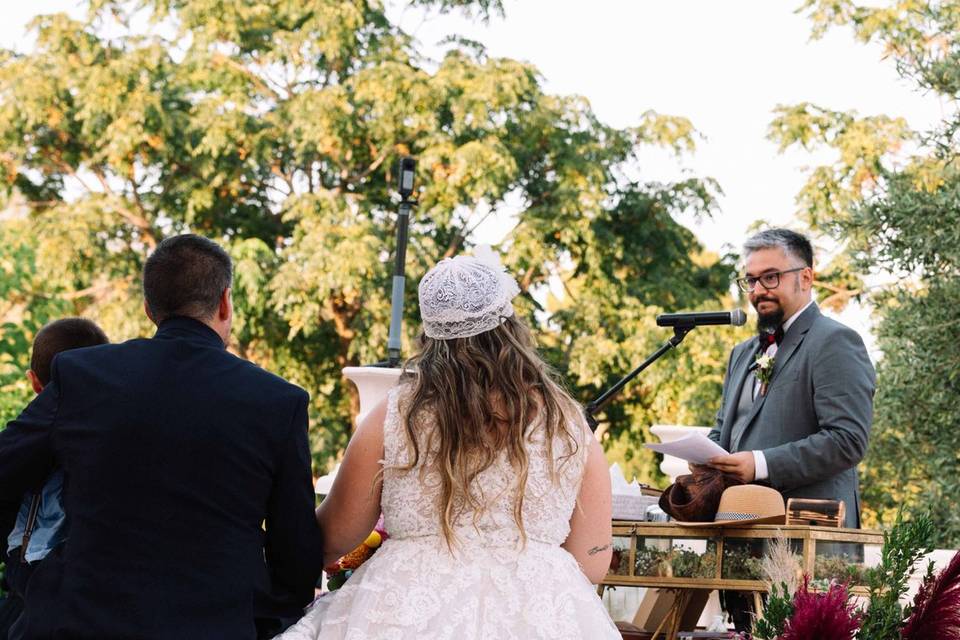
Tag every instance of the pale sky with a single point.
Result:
(723, 65)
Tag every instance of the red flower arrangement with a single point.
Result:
(936, 608)
(825, 616)
(935, 614)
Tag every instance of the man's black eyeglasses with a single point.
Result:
(767, 280)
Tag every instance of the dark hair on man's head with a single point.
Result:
(62, 335)
(793, 244)
(185, 276)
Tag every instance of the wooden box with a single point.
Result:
(820, 513)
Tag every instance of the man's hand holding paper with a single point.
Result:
(695, 448)
(742, 465)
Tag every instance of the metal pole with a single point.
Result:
(406, 172)
(399, 280)
(679, 332)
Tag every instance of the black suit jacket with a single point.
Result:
(187, 490)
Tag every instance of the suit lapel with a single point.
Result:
(740, 370)
(791, 340)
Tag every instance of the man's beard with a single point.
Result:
(769, 322)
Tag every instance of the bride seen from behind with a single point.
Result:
(494, 491)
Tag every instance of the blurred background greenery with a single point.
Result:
(273, 127)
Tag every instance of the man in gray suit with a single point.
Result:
(804, 430)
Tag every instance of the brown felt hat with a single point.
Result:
(747, 504)
(695, 497)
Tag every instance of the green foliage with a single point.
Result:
(26, 304)
(892, 199)
(742, 560)
(903, 546)
(921, 35)
(776, 611)
(842, 569)
(676, 562)
(862, 143)
(914, 452)
(482, 8)
(273, 127)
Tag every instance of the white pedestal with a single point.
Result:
(373, 383)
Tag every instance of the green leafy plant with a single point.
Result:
(740, 562)
(840, 569)
(648, 561)
(776, 612)
(903, 546)
(690, 564)
(676, 562)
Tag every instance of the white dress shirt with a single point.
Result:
(759, 461)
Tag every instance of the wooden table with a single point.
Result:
(661, 555)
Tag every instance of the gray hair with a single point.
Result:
(792, 243)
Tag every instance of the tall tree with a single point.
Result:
(893, 198)
(272, 127)
(21, 313)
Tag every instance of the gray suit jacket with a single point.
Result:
(814, 421)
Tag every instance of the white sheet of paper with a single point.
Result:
(696, 448)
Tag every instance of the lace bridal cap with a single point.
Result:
(466, 295)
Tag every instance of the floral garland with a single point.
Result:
(341, 570)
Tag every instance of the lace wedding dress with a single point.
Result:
(491, 586)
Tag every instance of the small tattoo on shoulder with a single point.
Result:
(597, 550)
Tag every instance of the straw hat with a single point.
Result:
(746, 504)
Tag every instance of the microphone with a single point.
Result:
(699, 318)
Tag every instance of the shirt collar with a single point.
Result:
(183, 327)
(789, 321)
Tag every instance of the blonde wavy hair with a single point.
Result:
(485, 394)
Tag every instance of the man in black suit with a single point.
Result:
(190, 509)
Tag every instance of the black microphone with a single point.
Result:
(699, 318)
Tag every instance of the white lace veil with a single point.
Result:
(466, 295)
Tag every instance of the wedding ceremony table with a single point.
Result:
(687, 560)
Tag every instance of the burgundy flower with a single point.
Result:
(825, 616)
(936, 609)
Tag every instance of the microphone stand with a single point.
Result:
(405, 175)
(679, 333)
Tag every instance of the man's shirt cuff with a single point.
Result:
(760, 466)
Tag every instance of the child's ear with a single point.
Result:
(34, 381)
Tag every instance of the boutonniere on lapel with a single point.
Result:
(764, 371)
